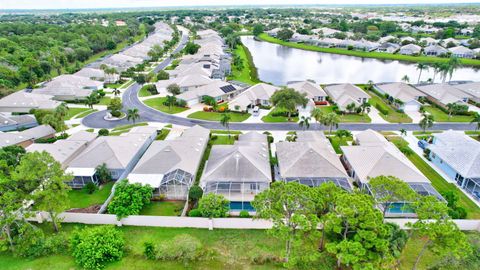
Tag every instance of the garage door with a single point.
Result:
(411, 108)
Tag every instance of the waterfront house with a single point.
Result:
(310, 89)
(458, 156)
(462, 52)
(310, 160)
(407, 94)
(443, 94)
(239, 171)
(388, 47)
(470, 88)
(410, 49)
(345, 94)
(435, 50)
(170, 166)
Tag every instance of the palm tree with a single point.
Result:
(370, 84)
(171, 101)
(421, 67)
(331, 120)
(304, 122)
(443, 70)
(116, 91)
(90, 100)
(61, 110)
(365, 107)
(133, 114)
(436, 68)
(405, 79)
(453, 64)
(210, 101)
(225, 121)
(403, 132)
(476, 119)
(451, 107)
(426, 122)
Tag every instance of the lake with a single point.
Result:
(279, 64)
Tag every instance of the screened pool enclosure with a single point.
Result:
(175, 185)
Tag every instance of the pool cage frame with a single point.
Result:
(176, 184)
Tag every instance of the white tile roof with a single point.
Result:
(401, 91)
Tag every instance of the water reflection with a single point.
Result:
(278, 65)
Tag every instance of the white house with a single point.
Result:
(345, 94)
(258, 94)
(220, 90)
(410, 49)
(310, 89)
(462, 52)
(407, 94)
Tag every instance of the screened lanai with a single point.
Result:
(175, 184)
(317, 181)
(236, 191)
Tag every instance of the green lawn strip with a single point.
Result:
(215, 116)
(393, 116)
(144, 92)
(337, 142)
(127, 84)
(163, 134)
(74, 111)
(440, 116)
(114, 85)
(119, 128)
(79, 198)
(81, 115)
(157, 103)
(377, 55)
(429, 132)
(248, 72)
(173, 65)
(163, 208)
(439, 183)
(104, 101)
(216, 131)
(348, 118)
(472, 132)
(278, 119)
(222, 140)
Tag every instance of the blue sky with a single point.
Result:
(73, 4)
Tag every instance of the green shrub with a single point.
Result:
(195, 193)
(381, 109)
(116, 113)
(182, 247)
(194, 213)
(163, 75)
(149, 250)
(213, 206)
(31, 242)
(90, 187)
(94, 247)
(103, 132)
(129, 199)
(244, 214)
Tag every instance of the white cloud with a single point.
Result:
(74, 4)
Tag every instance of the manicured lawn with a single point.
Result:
(74, 111)
(114, 85)
(127, 84)
(85, 113)
(248, 73)
(215, 116)
(440, 116)
(143, 92)
(337, 142)
(393, 116)
(130, 126)
(157, 103)
(348, 118)
(173, 65)
(214, 131)
(269, 118)
(378, 55)
(223, 139)
(79, 198)
(163, 134)
(104, 101)
(439, 183)
(410, 253)
(164, 208)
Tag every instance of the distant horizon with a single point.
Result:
(60, 5)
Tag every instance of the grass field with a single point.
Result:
(440, 116)
(79, 198)
(164, 208)
(157, 103)
(215, 116)
(248, 73)
(348, 118)
(269, 118)
(74, 111)
(393, 116)
(439, 183)
(163, 134)
(85, 113)
(337, 142)
(143, 92)
(104, 101)
(377, 55)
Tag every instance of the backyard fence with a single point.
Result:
(203, 223)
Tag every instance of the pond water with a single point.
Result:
(279, 64)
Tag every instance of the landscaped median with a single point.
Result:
(377, 55)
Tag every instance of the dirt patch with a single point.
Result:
(91, 209)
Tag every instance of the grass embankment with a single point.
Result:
(348, 118)
(74, 111)
(157, 104)
(438, 182)
(377, 55)
(84, 114)
(144, 92)
(79, 198)
(247, 73)
(441, 116)
(163, 208)
(215, 116)
(125, 128)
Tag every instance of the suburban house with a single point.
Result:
(447, 41)
(407, 94)
(97, 74)
(26, 137)
(258, 94)
(435, 50)
(428, 41)
(458, 156)
(443, 94)
(220, 90)
(310, 89)
(119, 61)
(410, 49)
(471, 88)
(186, 83)
(69, 87)
(239, 171)
(23, 102)
(462, 52)
(311, 161)
(118, 153)
(64, 151)
(388, 47)
(328, 42)
(345, 94)
(16, 122)
(273, 32)
(170, 166)
(376, 157)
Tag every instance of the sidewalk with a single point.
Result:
(375, 116)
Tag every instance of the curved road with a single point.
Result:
(147, 114)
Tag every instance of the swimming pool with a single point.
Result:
(239, 206)
(400, 208)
